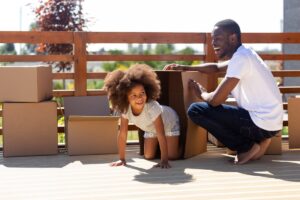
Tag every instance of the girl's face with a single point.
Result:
(137, 98)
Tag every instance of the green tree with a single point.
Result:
(8, 48)
(59, 15)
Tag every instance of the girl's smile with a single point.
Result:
(137, 98)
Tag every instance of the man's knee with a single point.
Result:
(196, 109)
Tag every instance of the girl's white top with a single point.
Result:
(151, 111)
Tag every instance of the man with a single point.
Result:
(248, 127)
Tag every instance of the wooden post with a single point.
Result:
(80, 64)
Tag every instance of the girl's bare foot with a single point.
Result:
(263, 148)
(245, 157)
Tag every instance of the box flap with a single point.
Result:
(86, 105)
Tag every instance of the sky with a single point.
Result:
(159, 15)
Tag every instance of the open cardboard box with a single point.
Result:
(176, 94)
(89, 126)
(25, 84)
(30, 129)
(92, 135)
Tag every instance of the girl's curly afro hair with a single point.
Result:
(119, 83)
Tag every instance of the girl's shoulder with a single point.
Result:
(152, 104)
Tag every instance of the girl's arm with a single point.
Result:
(162, 140)
(122, 138)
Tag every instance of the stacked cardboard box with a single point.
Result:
(29, 117)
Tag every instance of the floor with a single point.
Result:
(207, 176)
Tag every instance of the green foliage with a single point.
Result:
(61, 138)
(8, 49)
(95, 84)
(58, 85)
(285, 130)
(159, 49)
(132, 135)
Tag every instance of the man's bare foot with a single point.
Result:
(263, 148)
(245, 157)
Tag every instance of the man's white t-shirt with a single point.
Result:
(257, 91)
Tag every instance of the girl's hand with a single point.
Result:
(163, 164)
(118, 163)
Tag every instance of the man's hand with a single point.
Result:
(197, 87)
(118, 163)
(170, 66)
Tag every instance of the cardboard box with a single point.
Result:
(30, 129)
(177, 94)
(84, 106)
(25, 84)
(294, 122)
(92, 135)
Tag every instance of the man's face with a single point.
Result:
(222, 44)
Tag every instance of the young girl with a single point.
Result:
(133, 93)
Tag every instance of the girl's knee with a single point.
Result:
(149, 156)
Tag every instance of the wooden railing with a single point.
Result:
(80, 56)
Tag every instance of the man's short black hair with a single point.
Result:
(230, 26)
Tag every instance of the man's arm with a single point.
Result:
(218, 96)
(205, 67)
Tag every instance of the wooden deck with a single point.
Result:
(207, 176)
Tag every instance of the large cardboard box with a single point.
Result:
(177, 94)
(294, 122)
(30, 129)
(92, 135)
(84, 106)
(25, 84)
(89, 126)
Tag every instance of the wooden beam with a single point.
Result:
(145, 57)
(144, 37)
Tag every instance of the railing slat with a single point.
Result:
(144, 37)
(289, 89)
(64, 75)
(286, 73)
(145, 57)
(270, 38)
(280, 56)
(36, 37)
(36, 58)
(96, 75)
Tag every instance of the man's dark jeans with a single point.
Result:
(231, 125)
